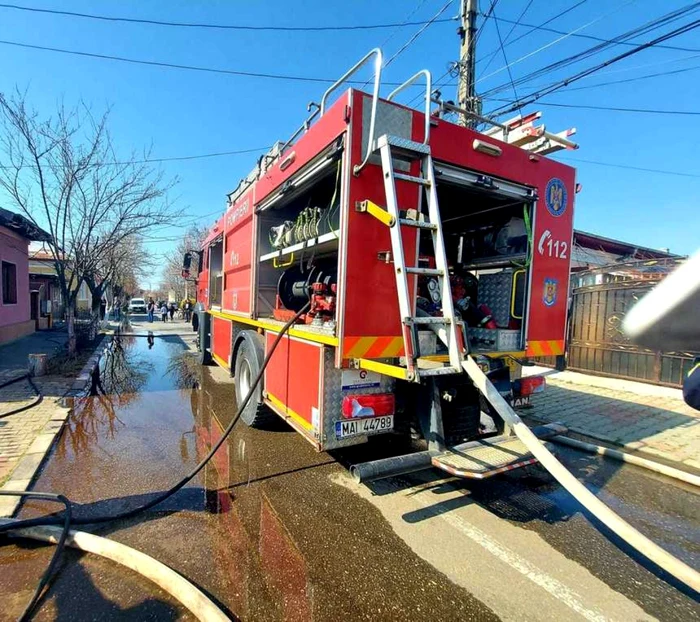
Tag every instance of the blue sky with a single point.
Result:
(182, 113)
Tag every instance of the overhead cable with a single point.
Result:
(157, 22)
(645, 28)
(529, 99)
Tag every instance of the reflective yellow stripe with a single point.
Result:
(219, 360)
(695, 367)
(288, 412)
(360, 347)
(326, 339)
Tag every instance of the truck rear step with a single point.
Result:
(474, 460)
(484, 458)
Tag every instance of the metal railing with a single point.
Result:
(450, 107)
(428, 92)
(378, 59)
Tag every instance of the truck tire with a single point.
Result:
(249, 358)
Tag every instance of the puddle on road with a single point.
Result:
(263, 528)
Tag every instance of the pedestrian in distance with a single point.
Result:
(151, 308)
(164, 312)
(187, 308)
(171, 310)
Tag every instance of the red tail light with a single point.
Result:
(376, 405)
(532, 384)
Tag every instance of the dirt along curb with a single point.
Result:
(21, 477)
(630, 448)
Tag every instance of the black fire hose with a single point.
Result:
(36, 402)
(50, 569)
(54, 519)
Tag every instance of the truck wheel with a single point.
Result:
(249, 359)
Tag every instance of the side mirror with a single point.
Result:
(186, 264)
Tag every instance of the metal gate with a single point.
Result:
(597, 343)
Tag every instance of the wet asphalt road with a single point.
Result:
(273, 530)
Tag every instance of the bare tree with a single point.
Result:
(172, 279)
(119, 267)
(63, 173)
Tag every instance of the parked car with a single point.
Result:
(137, 305)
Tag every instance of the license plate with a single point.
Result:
(519, 402)
(369, 425)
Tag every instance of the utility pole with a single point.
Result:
(466, 94)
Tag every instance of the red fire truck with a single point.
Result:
(411, 245)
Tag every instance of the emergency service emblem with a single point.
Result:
(550, 292)
(555, 197)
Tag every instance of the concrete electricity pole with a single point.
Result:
(466, 94)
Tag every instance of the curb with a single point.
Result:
(633, 447)
(29, 464)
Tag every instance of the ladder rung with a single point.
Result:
(412, 178)
(431, 320)
(404, 144)
(425, 271)
(417, 223)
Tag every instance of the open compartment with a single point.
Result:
(487, 225)
(298, 234)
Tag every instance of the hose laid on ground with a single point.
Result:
(585, 497)
(164, 577)
(622, 456)
(36, 402)
(54, 519)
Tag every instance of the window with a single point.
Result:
(9, 283)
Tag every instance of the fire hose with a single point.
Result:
(79, 539)
(587, 499)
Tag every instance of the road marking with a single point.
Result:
(548, 583)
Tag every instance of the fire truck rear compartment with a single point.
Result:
(487, 242)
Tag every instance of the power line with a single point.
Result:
(646, 28)
(170, 159)
(574, 58)
(635, 168)
(578, 35)
(549, 21)
(510, 32)
(531, 98)
(156, 22)
(410, 42)
(625, 80)
(486, 16)
(505, 58)
(136, 61)
(612, 108)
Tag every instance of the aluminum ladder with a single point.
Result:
(392, 149)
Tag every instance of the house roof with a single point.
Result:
(22, 226)
(617, 247)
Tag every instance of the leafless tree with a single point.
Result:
(63, 173)
(172, 279)
(120, 268)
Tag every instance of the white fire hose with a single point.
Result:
(602, 512)
(191, 597)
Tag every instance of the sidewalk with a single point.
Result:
(26, 437)
(14, 356)
(646, 418)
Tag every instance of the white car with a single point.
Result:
(137, 305)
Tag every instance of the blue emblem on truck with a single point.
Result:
(555, 197)
(549, 297)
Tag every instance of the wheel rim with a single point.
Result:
(244, 375)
